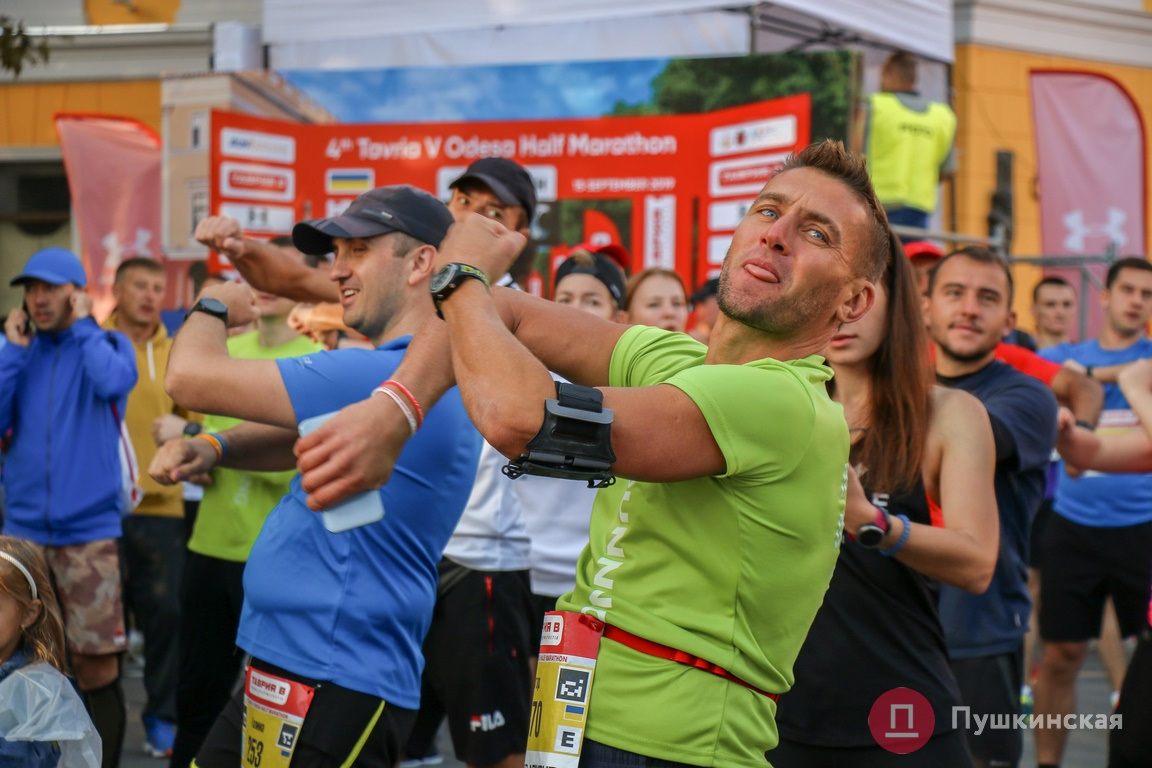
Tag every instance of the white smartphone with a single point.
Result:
(362, 509)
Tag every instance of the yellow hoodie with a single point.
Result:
(146, 402)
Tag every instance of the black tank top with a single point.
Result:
(878, 629)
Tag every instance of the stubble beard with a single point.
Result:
(782, 316)
(963, 357)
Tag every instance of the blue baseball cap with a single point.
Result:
(53, 265)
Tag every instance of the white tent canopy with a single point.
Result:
(380, 34)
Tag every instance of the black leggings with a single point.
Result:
(1130, 746)
(209, 662)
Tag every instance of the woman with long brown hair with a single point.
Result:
(922, 510)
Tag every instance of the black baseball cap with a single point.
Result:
(603, 268)
(506, 178)
(708, 289)
(397, 208)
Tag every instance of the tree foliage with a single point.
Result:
(17, 47)
(702, 85)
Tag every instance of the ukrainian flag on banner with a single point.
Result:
(340, 181)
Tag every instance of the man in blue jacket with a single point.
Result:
(63, 387)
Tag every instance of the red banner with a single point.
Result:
(114, 176)
(689, 178)
(1091, 163)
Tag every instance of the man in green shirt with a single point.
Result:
(719, 538)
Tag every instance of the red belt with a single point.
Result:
(637, 643)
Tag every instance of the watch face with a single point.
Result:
(213, 305)
(442, 277)
(870, 535)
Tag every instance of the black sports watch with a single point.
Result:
(871, 534)
(192, 428)
(210, 306)
(448, 278)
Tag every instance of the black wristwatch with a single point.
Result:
(448, 278)
(192, 428)
(871, 534)
(210, 306)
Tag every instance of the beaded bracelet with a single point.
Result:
(903, 537)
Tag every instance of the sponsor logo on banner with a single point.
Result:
(252, 145)
(248, 181)
(543, 176)
(726, 215)
(718, 248)
(742, 176)
(753, 136)
(349, 181)
(268, 688)
(660, 231)
(262, 218)
(1109, 230)
(333, 208)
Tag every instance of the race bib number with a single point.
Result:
(563, 688)
(274, 711)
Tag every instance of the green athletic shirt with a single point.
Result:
(234, 507)
(730, 568)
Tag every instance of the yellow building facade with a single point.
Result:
(998, 46)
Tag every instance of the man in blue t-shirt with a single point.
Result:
(333, 621)
(969, 311)
(1099, 543)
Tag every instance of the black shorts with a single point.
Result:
(943, 749)
(336, 724)
(1085, 565)
(476, 660)
(990, 687)
(1036, 534)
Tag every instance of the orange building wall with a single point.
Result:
(137, 12)
(994, 109)
(28, 107)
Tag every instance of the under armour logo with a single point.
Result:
(117, 252)
(1113, 229)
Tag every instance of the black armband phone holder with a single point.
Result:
(574, 442)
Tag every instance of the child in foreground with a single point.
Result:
(43, 723)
